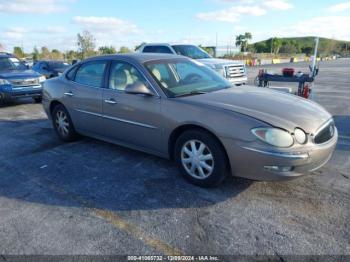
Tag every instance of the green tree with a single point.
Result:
(240, 41)
(71, 55)
(243, 41)
(86, 44)
(276, 44)
(35, 54)
(18, 51)
(124, 50)
(261, 47)
(56, 54)
(307, 50)
(106, 50)
(45, 53)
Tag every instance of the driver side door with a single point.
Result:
(131, 119)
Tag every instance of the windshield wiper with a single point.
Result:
(192, 93)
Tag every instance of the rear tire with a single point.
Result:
(63, 124)
(201, 158)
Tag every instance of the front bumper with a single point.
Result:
(238, 80)
(9, 92)
(253, 162)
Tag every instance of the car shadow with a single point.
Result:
(15, 102)
(36, 166)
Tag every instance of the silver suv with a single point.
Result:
(233, 71)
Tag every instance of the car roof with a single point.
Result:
(4, 54)
(50, 61)
(138, 57)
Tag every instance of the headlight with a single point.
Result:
(300, 136)
(4, 82)
(274, 136)
(42, 79)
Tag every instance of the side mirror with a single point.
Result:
(138, 88)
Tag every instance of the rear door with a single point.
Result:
(84, 96)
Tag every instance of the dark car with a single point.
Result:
(50, 69)
(17, 81)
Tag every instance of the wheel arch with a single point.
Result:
(53, 104)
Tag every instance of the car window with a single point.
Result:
(91, 73)
(123, 74)
(185, 77)
(71, 73)
(157, 49)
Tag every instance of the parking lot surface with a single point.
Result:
(93, 198)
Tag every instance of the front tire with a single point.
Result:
(63, 124)
(201, 158)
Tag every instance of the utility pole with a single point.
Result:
(216, 44)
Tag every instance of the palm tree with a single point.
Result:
(247, 36)
(243, 41)
(240, 41)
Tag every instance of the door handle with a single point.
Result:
(110, 101)
(69, 94)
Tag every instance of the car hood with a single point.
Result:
(216, 61)
(275, 108)
(18, 74)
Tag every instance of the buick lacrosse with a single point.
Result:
(177, 108)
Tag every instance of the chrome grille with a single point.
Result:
(25, 82)
(234, 71)
(325, 133)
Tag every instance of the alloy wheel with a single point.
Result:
(62, 123)
(197, 159)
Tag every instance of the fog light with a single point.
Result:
(279, 168)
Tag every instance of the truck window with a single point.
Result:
(157, 49)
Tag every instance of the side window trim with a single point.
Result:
(92, 62)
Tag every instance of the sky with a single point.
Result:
(56, 23)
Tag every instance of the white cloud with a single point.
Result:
(232, 14)
(108, 30)
(337, 27)
(278, 4)
(340, 7)
(244, 7)
(34, 6)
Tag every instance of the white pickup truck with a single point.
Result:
(233, 71)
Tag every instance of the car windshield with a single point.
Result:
(9, 63)
(58, 65)
(191, 51)
(182, 77)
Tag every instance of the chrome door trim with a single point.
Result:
(117, 119)
(129, 122)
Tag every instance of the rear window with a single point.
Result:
(157, 49)
(91, 73)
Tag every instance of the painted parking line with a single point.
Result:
(111, 217)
